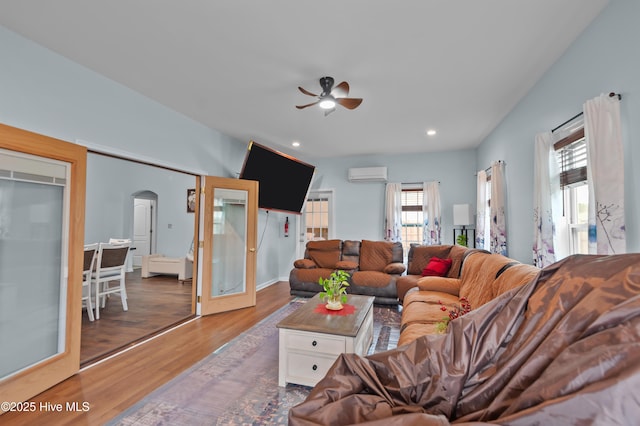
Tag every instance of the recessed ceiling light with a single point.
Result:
(296, 144)
(431, 132)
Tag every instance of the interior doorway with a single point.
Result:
(144, 203)
(144, 223)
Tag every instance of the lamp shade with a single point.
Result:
(462, 214)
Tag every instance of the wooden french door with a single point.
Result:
(42, 199)
(229, 244)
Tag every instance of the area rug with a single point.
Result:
(238, 384)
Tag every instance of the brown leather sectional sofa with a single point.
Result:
(374, 267)
(483, 277)
(560, 349)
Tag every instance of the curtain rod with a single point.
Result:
(611, 95)
(488, 169)
(419, 183)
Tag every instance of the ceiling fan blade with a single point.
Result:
(306, 92)
(307, 105)
(350, 103)
(341, 90)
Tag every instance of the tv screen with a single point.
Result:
(283, 180)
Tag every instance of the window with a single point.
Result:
(572, 160)
(317, 215)
(412, 217)
(576, 201)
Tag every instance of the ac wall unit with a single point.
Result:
(368, 174)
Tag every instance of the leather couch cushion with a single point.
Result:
(478, 274)
(420, 255)
(325, 253)
(425, 307)
(312, 275)
(346, 265)
(441, 284)
(304, 264)
(351, 251)
(375, 255)
(370, 279)
(395, 268)
(514, 276)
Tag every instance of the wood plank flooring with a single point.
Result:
(155, 304)
(114, 384)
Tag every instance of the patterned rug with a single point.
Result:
(238, 383)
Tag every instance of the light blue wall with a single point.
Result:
(111, 184)
(359, 207)
(45, 93)
(603, 59)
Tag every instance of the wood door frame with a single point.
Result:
(37, 378)
(208, 304)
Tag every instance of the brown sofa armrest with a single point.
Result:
(443, 284)
(395, 268)
(304, 264)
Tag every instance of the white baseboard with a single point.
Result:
(270, 282)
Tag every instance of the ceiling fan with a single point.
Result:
(331, 96)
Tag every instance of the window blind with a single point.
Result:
(572, 158)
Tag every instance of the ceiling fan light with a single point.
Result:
(327, 103)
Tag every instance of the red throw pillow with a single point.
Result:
(437, 267)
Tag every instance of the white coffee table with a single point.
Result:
(311, 341)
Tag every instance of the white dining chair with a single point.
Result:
(110, 267)
(90, 254)
(129, 262)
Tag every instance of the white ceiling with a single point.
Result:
(458, 66)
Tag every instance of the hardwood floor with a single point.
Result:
(114, 384)
(155, 304)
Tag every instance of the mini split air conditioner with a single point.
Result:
(368, 174)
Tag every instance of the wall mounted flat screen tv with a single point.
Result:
(283, 180)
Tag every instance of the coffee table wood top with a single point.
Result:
(306, 319)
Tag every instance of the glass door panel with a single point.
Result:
(32, 283)
(229, 241)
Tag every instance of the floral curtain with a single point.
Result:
(481, 212)
(431, 212)
(605, 175)
(393, 212)
(498, 224)
(547, 199)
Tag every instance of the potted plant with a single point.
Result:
(335, 289)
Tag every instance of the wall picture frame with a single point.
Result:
(191, 200)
